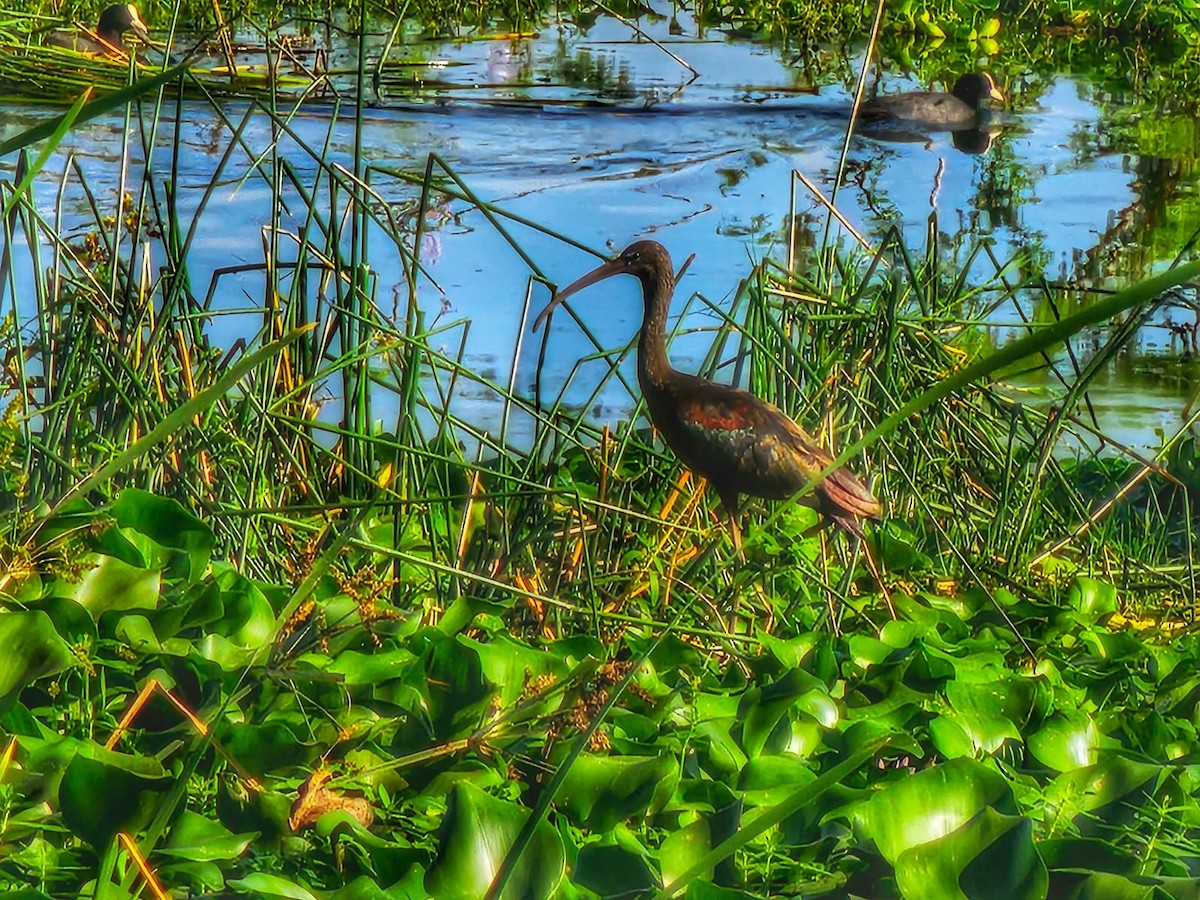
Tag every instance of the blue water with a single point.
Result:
(702, 164)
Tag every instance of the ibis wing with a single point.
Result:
(734, 438)
(743, 444)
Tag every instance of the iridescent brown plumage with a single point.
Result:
(740, 443)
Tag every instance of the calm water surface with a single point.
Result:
(701, 161)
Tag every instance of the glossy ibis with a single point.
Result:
(934, 110)
(740, 443)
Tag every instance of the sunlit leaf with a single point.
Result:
(1066, 741)
(32, 649)
(989, 856)
(931, 804)
(476, 833)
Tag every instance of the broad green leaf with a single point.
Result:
(261, 884)
(1092, 598)
(719, 753)
(138, 633)
(98, 799)
(768, 780)
(372, 668)
(980, 711)
(613, 871)
(950, 738)
(683, 848)
(30, 649)
(263, 748)
(248, 619)
(167, 523)
(475, 836)
(930, 805)
(1114, 782)
(1106, 886)
(70, 619)
(198, 838)
(116, 585)
(761, 710)
(1066, 742)
(511, 665)
(600, 791)
(990, 857)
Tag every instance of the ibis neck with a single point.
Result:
(653, 365)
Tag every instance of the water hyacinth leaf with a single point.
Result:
(364, 888)
(613, 871)
(1084, 854)
(990, 857)
(71, 621)
(137, 632)
(770, 779)
(683, 848)
(511, 666)
(113, 584)
(372, 668)
(202, 877)
(600, 791)
(980, 712)
(99, 798)
(200, 839)
(1066, 742)
(1107, 886)
(761, 709)
(168, 524)
(247, 619)
(950, 738)
(262, 748)
(32, 649)
(477, 831)
(1114, 784)
(931, 804)
(719, 753)
(1092, 598)
(260, 884)
(449, 682)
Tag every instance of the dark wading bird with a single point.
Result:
(740, 443)
(934, 110)
(109, 37)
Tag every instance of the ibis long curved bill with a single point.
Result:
(602, 271)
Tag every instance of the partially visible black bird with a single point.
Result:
(109, 36)
(740, 443)
(935, 110)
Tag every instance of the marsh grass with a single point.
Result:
(578, 519)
